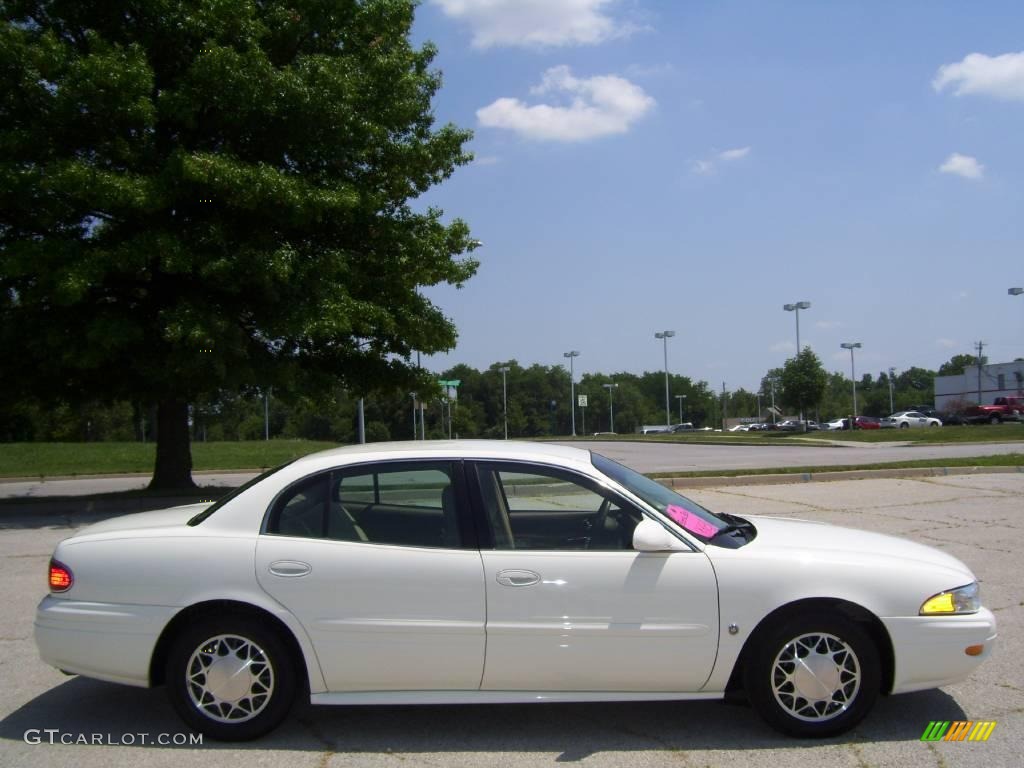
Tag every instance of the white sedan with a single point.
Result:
(485, 572)
(906, 419)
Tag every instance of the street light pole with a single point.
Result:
(796, 308)
(665, 336)
(853, 374)
(611, 407)
(680, 398)
(572, 387)
(892, 375)
(504, 396)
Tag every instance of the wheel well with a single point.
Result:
(867, 620)
(220, 608)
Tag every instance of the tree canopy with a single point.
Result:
(207, 196)
(803, 380)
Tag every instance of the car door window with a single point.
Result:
(412, 505)
(536, 508)
(396, 503)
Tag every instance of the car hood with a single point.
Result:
(161, 518)
(826, 541)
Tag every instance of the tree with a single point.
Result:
(803, 380)
(957, 363)
(207, 196)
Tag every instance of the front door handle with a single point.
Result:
(290, 568)
(516, 578)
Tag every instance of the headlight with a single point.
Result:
(966, 599)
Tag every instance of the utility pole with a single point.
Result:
(892, 375)
(723, 406)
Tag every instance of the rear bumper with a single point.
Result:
(106, 641)
(930, 651)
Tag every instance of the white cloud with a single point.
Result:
(708, 166)
(827, 325)
(486, 160)
(947, 343)
(1001, 77)
(536, 23)
(703, 167)
(782, 346)
(963, 165)
(734, 154)
(596, 106)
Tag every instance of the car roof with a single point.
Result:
(511, 450)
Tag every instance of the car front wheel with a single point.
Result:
(813, 676)
(231, 679)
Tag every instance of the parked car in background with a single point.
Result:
(867, 422)
(951, 417)
(684, 427)
(486, 572)
(906, 419)
(1002, 409)
(740, 428)
(836, 424)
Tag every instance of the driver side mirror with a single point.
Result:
(649, 536)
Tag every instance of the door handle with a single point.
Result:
(516, 578)
(290, 568)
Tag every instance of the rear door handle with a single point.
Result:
(515, 578)
(290, 568)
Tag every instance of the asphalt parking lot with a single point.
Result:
(978, 518)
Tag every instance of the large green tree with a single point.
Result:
(803, 381)
(198, 196)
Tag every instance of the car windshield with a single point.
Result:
(703, 524)
(237, 492)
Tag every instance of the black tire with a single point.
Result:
(847, 661)
(904, 425)
(234, 707)
(994, 419)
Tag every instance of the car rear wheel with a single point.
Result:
(994, 419)
(813, 676)
(230, 678)
(904, 425)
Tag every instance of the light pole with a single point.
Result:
(892, 375)
(504, 396)
(665, 336)
(415, 406)
(680, 398)
(796, 308)
(852, 345)
(759, 405)
(611, 407)
(1015, 291)
(572, 387)
(774, 414)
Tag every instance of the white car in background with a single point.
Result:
(906, 419)
(481, 572)
(835, 425)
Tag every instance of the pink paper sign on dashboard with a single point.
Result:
(690, 521)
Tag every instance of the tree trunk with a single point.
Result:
(173, 450)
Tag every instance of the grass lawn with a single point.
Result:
(974, 433)
(53, 459)
(1002, 460)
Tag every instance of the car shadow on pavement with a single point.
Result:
(81, 708)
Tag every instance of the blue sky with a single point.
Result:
(644, 165)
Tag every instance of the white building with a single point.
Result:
(997, 380)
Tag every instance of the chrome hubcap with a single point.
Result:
(229, 679)
(815, 677)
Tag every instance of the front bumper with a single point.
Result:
(106, 641)
(930, 651)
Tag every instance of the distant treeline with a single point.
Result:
(538, 405)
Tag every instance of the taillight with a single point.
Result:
(61, 578)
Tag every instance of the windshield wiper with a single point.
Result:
(734, 524)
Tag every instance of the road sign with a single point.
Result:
(582, 400)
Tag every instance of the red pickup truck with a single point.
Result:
(1002, 409)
